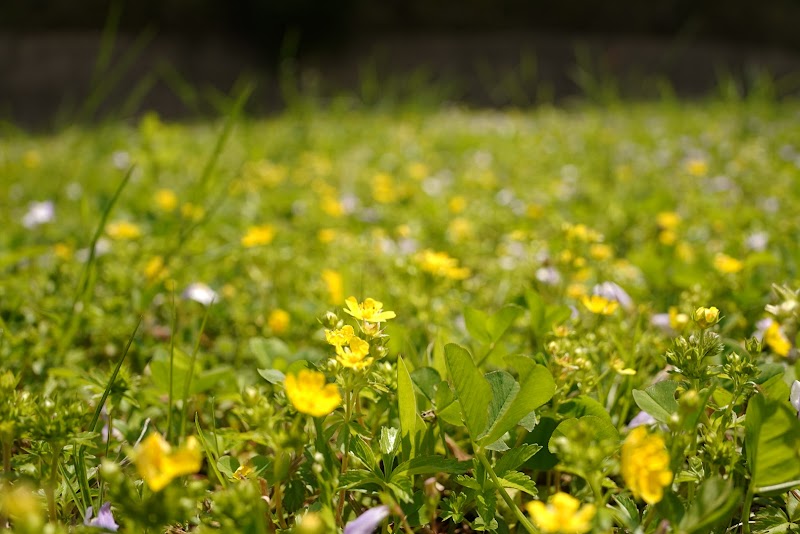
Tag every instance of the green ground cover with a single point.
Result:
(172, 302)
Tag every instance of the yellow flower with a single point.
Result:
(258, 235)
(457, 204)
(243, 472)
(166, 199)
(706, 317)
(334, 284)
(354, 356)
(697, 167)
(777, 340)
(123, 230)
(575, 291)
(667, 237)
(601, 251)
(278, 321)
(727, 265)
(155, 268)
(599, 304)
(309, 394)
(31, 159)
(677, 321)
(158, 464)
(619, 367)
(459, 230)
(563, 513)
(192, 211)
(384, 189)
(331, 206)
(62, 251)
(418, 171)
(339, 337)
(326, 235)
(440, 264)
(645, 465)
(581, 232)
(370, 310)
(668, 220)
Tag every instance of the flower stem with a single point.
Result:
(527, 525)
(748, 502)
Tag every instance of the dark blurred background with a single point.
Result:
(66, 60)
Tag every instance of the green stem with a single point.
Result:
(348, 412)
(51, 486)
(748, 502)
(188, 385)
(527, 525)
(7, 457)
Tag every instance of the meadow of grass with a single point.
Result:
(172, 304)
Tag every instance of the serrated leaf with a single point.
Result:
(519, 481)
(355, 478)
(583, 405)
(658, 400)
(537, 388)
(472, 390)
(363, 452)
(515, 458)
(504, 390)
(389, 441)
(468, 482)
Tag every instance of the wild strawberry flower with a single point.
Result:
(563, 513)
(340, 336)
(776, 340)
(309, 394)
(258, 235)
(645, 465)
(354, 355)
(158, 464)
(600, 305)
(370, 310)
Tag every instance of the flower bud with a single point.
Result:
(706, 317)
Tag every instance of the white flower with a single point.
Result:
(757, 241)
(794, 396)
(39, 213)
(200, 292)
(548, 275)
(611, 291)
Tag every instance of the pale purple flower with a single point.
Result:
(39, 213)
(367, 522)
(611, 291)
(548, 276)
(104, 519)
(757, 241)
(794, 396)
(761, 328)
(200, 292)
(662, 322)
(642, 418)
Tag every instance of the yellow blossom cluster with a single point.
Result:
(563, 514)
(309, 394)
(441, 264)
(158, 464)
(645, 465)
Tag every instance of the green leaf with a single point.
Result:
(658, 400)
(499, 323)
(714, 503)
(476, 322)
(583, 405)
(537, 308)
(515, 458)
(536, 389)
(472, 390)
(591, 428)
(426, 379)
(772, 444)
(519, 481)
(504, 390)
(447, 407)
(772, 520)
(389, 441)
(422, 465)
(273, 376)
(541, 434)
(407, 402)
(468, 482)
(270, 353)
(363, 452)
(228, 465)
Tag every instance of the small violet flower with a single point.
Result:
(367, 522)
(104, 519)
(794, 396)
(612, 291)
